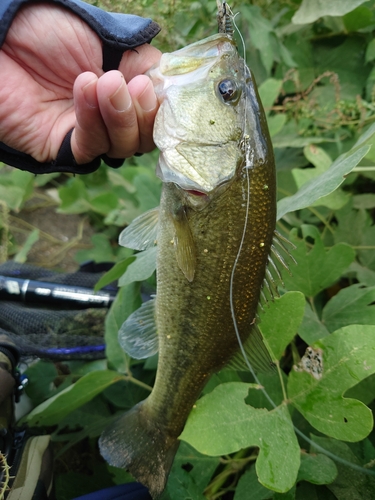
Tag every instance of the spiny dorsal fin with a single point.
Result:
(256, 352)
(142, 232)
(272, 275)
(184, 244)
(138, 335)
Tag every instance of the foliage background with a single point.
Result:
(314, 64)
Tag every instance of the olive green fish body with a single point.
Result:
(213, 242)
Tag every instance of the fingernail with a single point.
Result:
(147, 100)
(121, 99)
(89, 93)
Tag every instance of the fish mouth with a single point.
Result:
(194, 192)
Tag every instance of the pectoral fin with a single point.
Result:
(184, 244)
(142, 232)
(138, 335)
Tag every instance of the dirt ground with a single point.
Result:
(60, 235)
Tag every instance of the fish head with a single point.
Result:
(200, 125)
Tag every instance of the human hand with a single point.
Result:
(52, 81)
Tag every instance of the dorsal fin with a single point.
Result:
(142, 232)
(138, 335)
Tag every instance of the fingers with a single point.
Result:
(112, 117)
(90, 138)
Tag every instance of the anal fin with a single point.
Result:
(138, 335)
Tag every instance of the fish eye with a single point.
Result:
(228, 90)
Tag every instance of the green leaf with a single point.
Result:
(348, 356)
(192, 469)
(311, 328)
(357, 19)
(114, 273)
(54, 409)
(261, 34)
(352, 305)
(322, 185)
(276, 123)
(269, 92)
(370, 51)
(101, 250)
(321, 161)
(12, 196)
(311, 10)
(350, 483)
(222, 423)
(73, 196)
(249, 488)
(364, 275)
(41, 376)
(317, 469)
(317, 269)
(279, 322)
(142, 268)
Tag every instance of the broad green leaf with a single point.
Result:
(350, 483)
(364, 391)
(359, 18)
(101, 250)
(127, 300)
(322, 185)
(279, 322)
(311, 328)
(317, 269)
(142, 268)
(200, 467)
(273, 393)
(364, 201)
(269, 92)
(276, 123)
(249, 488)
(352, 305)
(364, 275)
(74, 197)
(41, 376)
(54, 409)
(261, 31)
(352, 72)
(114, 273)
(289, 495)
(347, 357)
(317, 469)
(370, 51)
(321, 161)
(12, 196)
(222, 423)
(311, 10)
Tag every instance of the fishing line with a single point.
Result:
(247, 167)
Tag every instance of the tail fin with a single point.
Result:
(136, 443)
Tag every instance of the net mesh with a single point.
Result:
(48, 332)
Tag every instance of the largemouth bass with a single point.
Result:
(214, 231)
